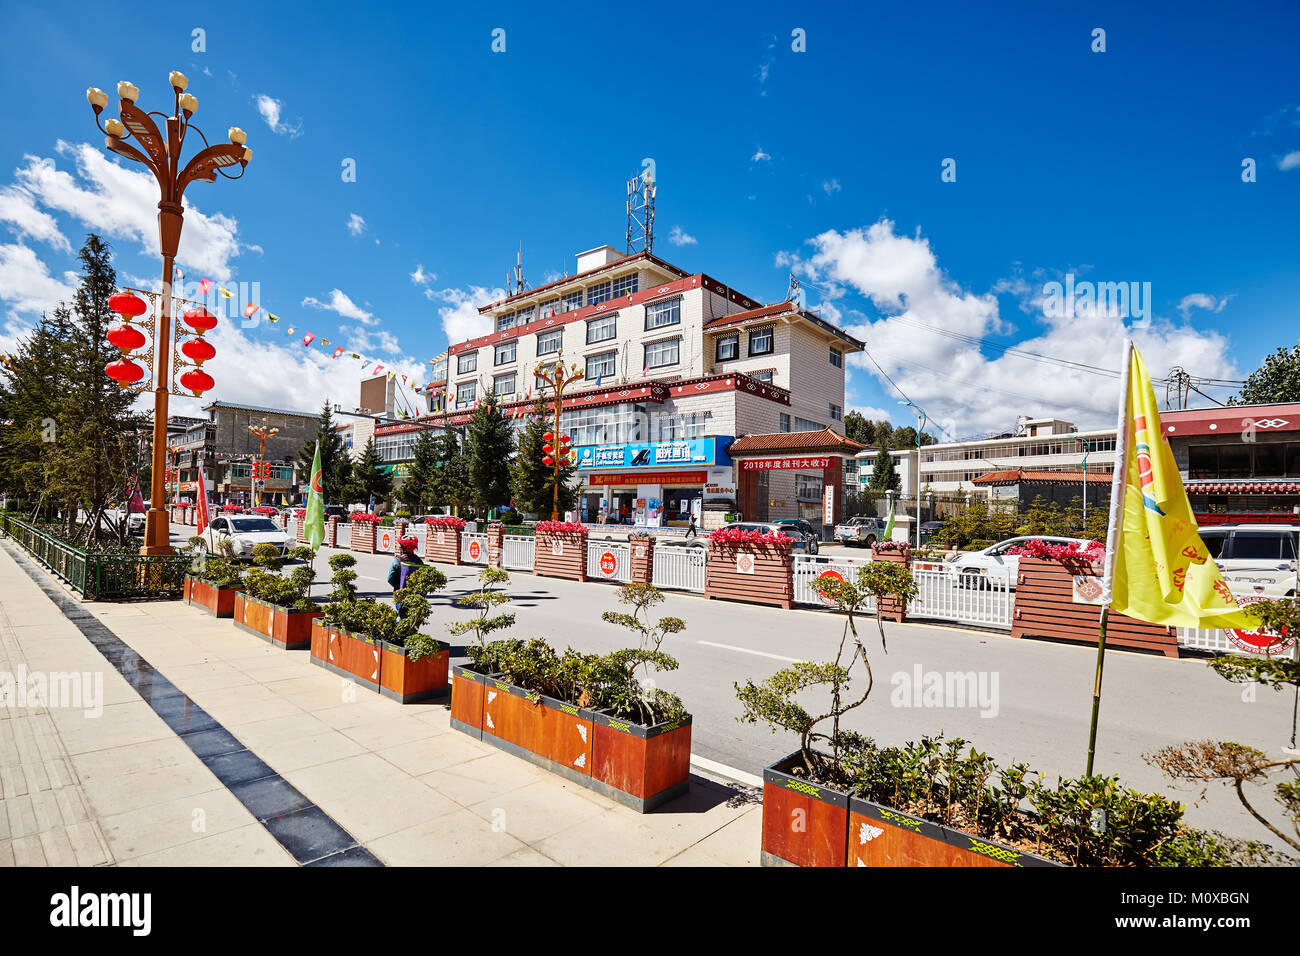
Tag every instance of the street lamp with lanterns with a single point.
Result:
(161, 154)
(557, 450)
(259, 473)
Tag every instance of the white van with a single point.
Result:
(1260, 554)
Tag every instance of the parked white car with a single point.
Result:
(1262, 555)
(996, 564)
(244, 532)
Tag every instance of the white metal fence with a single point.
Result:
(942, 594)
(808, 568)
(518, 552)
(1220, 641)
(474, 548)
(609, 561)
(681, 568)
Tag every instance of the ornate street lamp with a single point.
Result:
(262, 433)
(162, 156)
(557, 450)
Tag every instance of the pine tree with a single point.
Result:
(531, 481)
(415, 490)
(369, 477)
(449, 486)
(884, 477)
(488, 444)
(335, 463)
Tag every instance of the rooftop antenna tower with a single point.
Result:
(519, 270)
(794, 294)
(641, 190)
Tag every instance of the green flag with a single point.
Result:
(314, 530)
(888, 533)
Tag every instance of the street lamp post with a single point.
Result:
(921, 419)
(162, 156)
(262, 433)
(557, 376)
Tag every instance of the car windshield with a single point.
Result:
(253, 524)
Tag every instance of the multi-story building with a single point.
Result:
(675, 366)
(228, 451)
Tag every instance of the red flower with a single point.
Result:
(560, 527)
(1092, 552)
(445, 521)
(742, 536)
(364, 517)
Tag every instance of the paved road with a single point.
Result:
(1043, 698)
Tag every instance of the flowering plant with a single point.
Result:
(364, 517)
(561, 527)
(742, 536)
(1093, 551)
(264, 510)
(891, 546)
(445, 521)
(300, 513)
(232, 508)
(638, 535)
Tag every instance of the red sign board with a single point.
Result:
(608, 564)
(1259, 642)
(475, 549)
(649, 478)
(782, 464)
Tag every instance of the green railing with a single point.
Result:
(101, 575)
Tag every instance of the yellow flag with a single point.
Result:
(1163, 573)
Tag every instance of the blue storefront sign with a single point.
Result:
(711, 450)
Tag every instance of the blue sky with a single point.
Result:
(1121, 166)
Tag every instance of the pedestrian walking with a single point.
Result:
(690, 527)
(404, 562)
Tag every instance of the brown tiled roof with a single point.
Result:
(795, 443)
(1039, 477)
(782, 308)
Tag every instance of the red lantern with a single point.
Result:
(198, 350)
(197, 381)
(201, 320)
(547, 436)
(547, 449)
(564, 439)
(125, 337)
(124, 303)
(548, 460)
(124, 372)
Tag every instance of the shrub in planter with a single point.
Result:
(275, 606)
(214, 580)
(380, 645)
(467, 682)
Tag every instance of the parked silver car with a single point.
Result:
(996, 564)
(803, 542)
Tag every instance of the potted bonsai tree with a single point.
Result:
(275, 606)
(468, 681)
(213, 581)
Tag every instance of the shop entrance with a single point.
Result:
(622, 508)
(590, 502)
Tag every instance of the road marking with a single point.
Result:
(746, 650)
(722, 770)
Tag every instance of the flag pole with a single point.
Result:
(1114, 528)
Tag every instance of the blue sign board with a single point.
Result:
(686, 452)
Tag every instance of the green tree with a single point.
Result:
(417, 488)
(449, 487)
(531, 481)
(883, 435)
(1276, 380)
(369, 477)
(488, 444)
(859, 428)
(884, 477)
(335, 463)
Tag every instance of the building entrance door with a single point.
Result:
(761, 506)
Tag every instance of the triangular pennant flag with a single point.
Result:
(306, 339)
(337, 352)
(250, 310)
(289, 330)
(355, 355)
(225, 293)
(365, 363)
(392, 375)
(205, 286)
(178, 274)
(272, 317)
(378, 369)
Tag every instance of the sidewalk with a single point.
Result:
(124, 788)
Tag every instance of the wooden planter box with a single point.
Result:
(214, 600)
(378, 665)
(442, 544)
(363, 536)
(288, 630)
(1045, 607)
(640, 767)
(643, 558)
(805, 824)
(561, 556)
(755, 573)
(891, 608)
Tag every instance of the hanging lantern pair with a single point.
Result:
(198, 350)
(126, 338)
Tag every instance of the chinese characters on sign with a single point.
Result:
(780, 464)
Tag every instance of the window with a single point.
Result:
(1263, 545)
(837, 413)
(761, 341)
(548, 342)
(550, 308)
(728, 348)
(602, 329)
(598, 293)
(785, 422)
(803, 425)
(764, 375)
(467, 362)
(465, 393)
(571, 301)
(625, 286)
(599, 366)
(808, 487)
(837, 357)
(524, 316)
(506, 321)
(504, 384)
(662, 314)
(663, 354)
(505, 353)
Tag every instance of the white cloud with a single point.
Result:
(339, 302)
(460, 317)
(356, 225)
(1202, 300)
(831, 186)
(873, 414)
(679, 237)
(420, 277)
(26, 285)
(122, 203)
(271, 108)
(18, 206)
(760, 156)
(1289, 161)
(962, 389)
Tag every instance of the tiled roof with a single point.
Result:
(264, 411)
(1276, 487)
(1040, 477)
(795, 443)
(780, 309)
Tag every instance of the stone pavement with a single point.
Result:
(364, 773)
